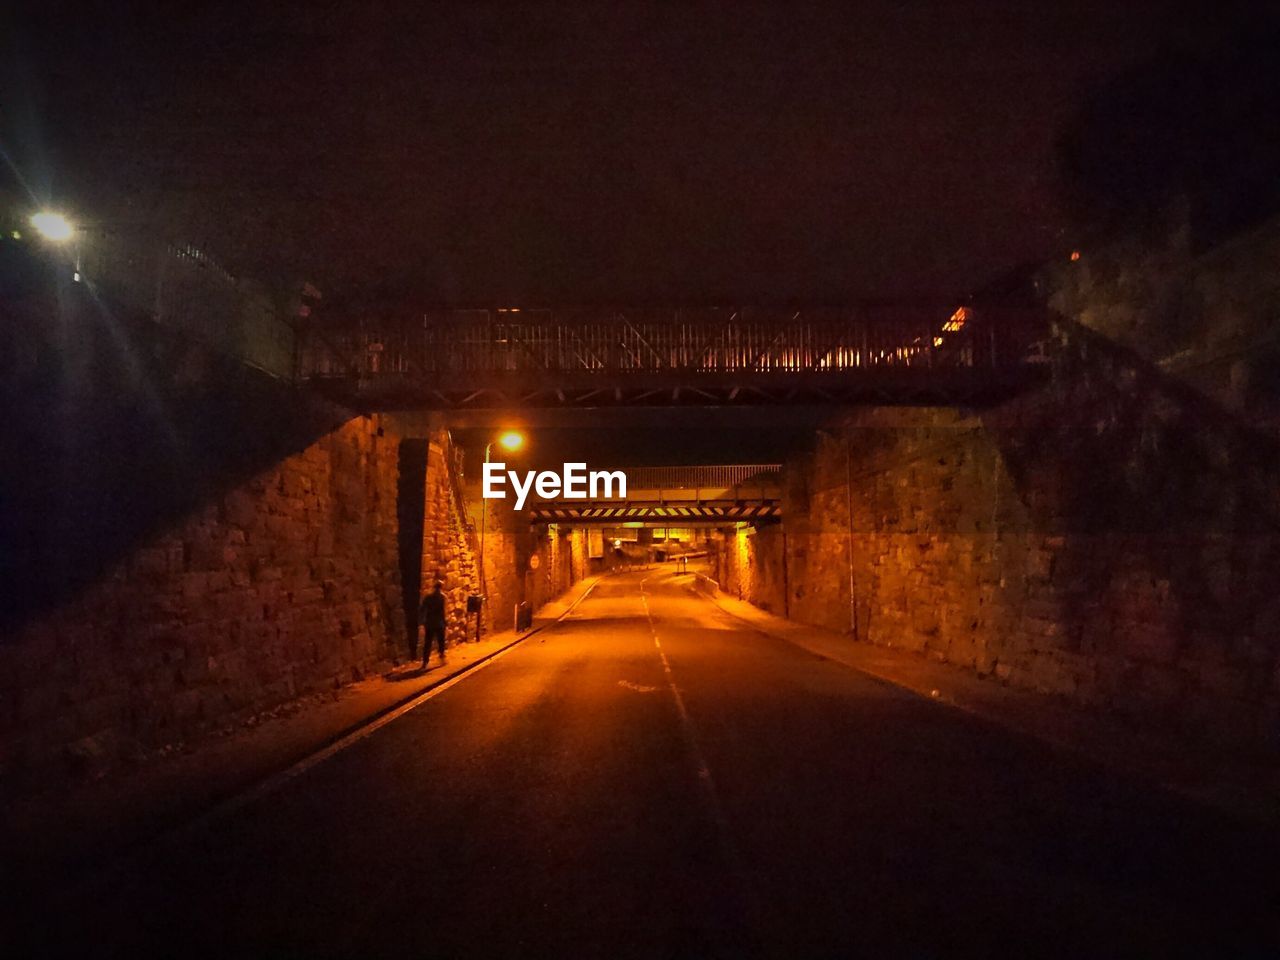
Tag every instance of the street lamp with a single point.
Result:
(53, 226)
(511, 440)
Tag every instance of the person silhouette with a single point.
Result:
(431, 614)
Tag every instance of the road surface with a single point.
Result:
(652, 778)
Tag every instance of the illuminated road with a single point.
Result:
(713, 792)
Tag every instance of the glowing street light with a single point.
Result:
(53, 226)
(511, 440)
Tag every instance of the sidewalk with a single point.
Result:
(1242, 787)
(92, 821)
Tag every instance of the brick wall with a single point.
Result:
(1111, 538)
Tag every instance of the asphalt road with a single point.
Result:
(651, 778)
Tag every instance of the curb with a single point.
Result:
(123, 858)
(933, 697)
(1258, 812)
(357, 731)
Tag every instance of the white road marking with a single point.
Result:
(691, 738)
(755, 908)
(637, 687)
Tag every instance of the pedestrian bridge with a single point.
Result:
(500, 358)
(711, 356)
(687, 495)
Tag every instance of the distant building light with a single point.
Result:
(53, 226)
(1075, 255)
(957, 320)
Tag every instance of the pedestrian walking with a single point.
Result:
(431, 614)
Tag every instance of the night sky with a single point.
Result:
(574, 153)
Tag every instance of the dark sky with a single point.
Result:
(575, 152)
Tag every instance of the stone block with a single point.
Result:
(1039, 565)
(151, 563)
(1226, 680)
(267, 574)
(1161, 685)
(241, 508)
(1148, 642)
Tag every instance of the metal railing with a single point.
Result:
(454, 343)
(453, 456)
(181, 287)
(700, 477)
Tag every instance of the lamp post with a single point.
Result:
(513, 441)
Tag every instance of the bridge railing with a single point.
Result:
(701, 476)
(454, 343)
(182, 287)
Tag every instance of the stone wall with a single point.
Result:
(185, 541)
(1112, 538)
(509, 542)
(1207, 317)
(512, 576)
(285, 584)
(451, 548)
(448, 537)
(282, 585)
(749, 564)
(562, 562)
